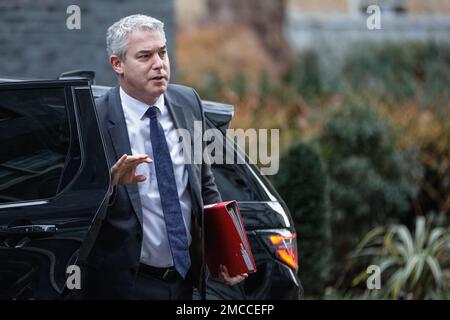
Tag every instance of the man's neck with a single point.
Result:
(142, 98)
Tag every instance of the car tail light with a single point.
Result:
(285, 246)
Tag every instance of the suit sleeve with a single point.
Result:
(210, 192)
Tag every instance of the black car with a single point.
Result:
(54, 181)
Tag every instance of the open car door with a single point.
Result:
(54, 181)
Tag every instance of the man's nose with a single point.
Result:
(157, 62)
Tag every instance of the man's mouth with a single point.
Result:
(158, 78)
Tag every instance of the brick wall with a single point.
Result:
(35, 42)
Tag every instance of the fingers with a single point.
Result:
(119, 162)
(227, 279)
(123, 171)
(115, 176)
(139, 157)
(126, 161)
(133, 161)
(233, 280)
(224, 269)
(140, 178)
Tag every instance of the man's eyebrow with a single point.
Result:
(151, 51)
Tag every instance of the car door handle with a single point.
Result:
(29, 230)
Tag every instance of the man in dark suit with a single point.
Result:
(150, 245)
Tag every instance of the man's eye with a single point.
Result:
(144, 56)
(163, 53)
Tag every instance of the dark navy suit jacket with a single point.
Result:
(113, 262)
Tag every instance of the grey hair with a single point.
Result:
(117, 34)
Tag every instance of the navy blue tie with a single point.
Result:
(167, 186)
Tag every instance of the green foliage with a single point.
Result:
(265, 87)
(301, 182)
(306, 75)
(414, 264)
(211, 87)
(373, 171)
(399, 71)
(371, 180)
(239, 85)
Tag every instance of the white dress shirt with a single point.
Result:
(155, 244)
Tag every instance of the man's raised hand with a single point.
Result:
(124, 170)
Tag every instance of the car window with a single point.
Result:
(236, 182)
(36, 145)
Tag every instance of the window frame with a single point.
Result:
(71, 109)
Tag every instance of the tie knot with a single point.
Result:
(152, 112)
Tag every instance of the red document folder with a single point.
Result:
(226, 241)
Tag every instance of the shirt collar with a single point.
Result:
(138, 108)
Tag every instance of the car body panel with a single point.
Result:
(33, 261)
(34, 266)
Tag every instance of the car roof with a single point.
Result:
(208, 105)
(219, 114)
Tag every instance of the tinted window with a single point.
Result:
(35, 143)
(235, 182)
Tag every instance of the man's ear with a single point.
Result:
(116, 64)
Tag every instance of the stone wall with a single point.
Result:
(35, 42)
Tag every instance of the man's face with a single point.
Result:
(144, 73)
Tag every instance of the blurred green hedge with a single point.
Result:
(399, 71)
(376, 145)
(301, 182)
(371, 180)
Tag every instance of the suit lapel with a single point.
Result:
(180, 118)
(118, 132)
(176, 110)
